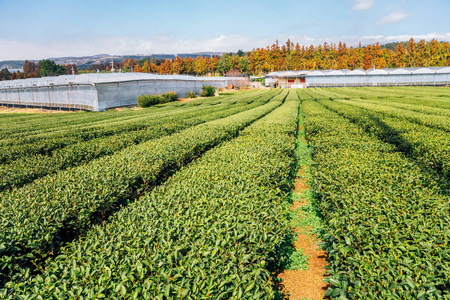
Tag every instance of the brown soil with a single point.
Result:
(186, 99)
(12, 110)
(305, 284)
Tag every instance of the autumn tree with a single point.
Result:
(71, 68)
(146, 67)
(166, 67)
(411, 53)
(178, 65)
(29, 67)
(188, 65)
(400, 56)
(367, 64)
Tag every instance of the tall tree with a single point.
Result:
(50, 68)
(5, 74)
(146, 67)
(367, 63)
(400, 56)
(411, 53)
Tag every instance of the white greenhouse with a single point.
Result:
(432, 76)
(99, 92)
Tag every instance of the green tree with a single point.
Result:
(240, 53)
(50, 68)
(244, 64)
(224, 64)
(5, 74)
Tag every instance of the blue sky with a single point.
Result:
(37, 29)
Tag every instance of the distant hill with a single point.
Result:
(84, 62)
(11, 64)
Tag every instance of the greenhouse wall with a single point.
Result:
(99, 92)
(378, 80)
(432, 76)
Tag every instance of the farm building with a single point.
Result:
(99, 92)
(373, 77)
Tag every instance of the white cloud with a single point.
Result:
(85, 46)
(115, 45)
(363, 4)
(392, 18)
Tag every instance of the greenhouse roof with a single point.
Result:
(400, 72)
(384, 71)
(99, 78)
(377, 72)
(357, 72)
(444, 70)
(423, 71)
(316, 73)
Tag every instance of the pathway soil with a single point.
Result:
(305, 284)
(10, 110)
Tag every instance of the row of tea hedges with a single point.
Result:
(386, 219)
(46, 142)
(211, 231)
(37, 218)
(429, 146)
(29, 168)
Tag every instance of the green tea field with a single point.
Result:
(193, 200)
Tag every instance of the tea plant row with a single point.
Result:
(48, 142)
(29, 168)
(430, 147)
(38, 218)
(25, 125)
(210, 231)
(385, 216)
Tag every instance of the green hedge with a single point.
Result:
(191, 94)
(29, 168)
(211, 231)
(48, 140)
(386, 218)
(36, 219)
(150, 100)
(429, 146)
(208, 91)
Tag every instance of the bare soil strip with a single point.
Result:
(305, 284)
(10, 110)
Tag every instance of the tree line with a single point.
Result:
(332, 56)
(42, 68)
(261, 61)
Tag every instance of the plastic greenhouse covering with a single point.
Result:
(373, 77)
(99, 92)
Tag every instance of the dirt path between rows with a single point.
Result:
(305, 284)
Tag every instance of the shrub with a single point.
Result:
(191, 94)
(208, 91)
(170, 97)
(149, 100)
